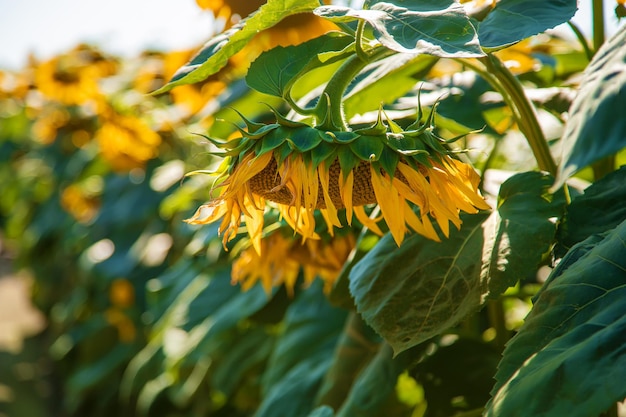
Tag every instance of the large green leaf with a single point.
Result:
(513, 20)
(436, 28)
(411, 293)
(596, 127)
(215, 53)
(599, 209)
(275, 71)
(374, 385)
(569, 358)
(522, 230)
(301, 356)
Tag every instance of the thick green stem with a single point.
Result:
(334, 115)
(512, 92)
(598, 24)
(581, 39)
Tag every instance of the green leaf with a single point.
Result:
(368, 147)
(599, 209)
(596, 127)
(569, 358)
(301, 356)
(275, 71)
(215, 54)
(304, 139)
(411, 293)
(522, 230)
(442, 30)
(374, 385)
(513, 20)
(323, 411)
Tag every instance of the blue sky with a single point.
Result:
(124, 27)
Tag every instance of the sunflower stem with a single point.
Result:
(512, 92)
(331, 114)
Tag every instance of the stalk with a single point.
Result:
(512, 92)
(334, 115)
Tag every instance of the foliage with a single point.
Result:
(314, 312)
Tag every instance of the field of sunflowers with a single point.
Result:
(331, 209)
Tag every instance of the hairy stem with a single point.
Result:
(512, 92)
(334, 115)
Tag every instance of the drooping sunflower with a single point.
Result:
(301, 170)
(283, 257)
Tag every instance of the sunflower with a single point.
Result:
(79, 203)
(284, 257)
(72, 78)
(302, 170)
(126, 142)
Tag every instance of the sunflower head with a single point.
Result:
(284, 258)
(303, 170)
(72, 78)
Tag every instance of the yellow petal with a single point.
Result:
(389, 202)
(345, 188)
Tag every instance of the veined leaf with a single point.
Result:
(301, 356)
(215, 53)
(513, 20)
(599, 209)
(275, 71)
(444, 31)
(596, 127)
(569, 358)
(522, 229)
(411, 293)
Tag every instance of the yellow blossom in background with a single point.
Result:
(124, 325)
(122, 293)
(127, 142)
(283, 258)
(72, 78)
(79, 204)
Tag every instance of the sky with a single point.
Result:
(126, 27)
(121, 27)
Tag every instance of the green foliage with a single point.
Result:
(530, 17)
(571, 345)
(594, 130)
(439, 28)
(215, 53)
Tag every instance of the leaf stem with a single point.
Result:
(513, 94)
(581, 39)
(598, 24)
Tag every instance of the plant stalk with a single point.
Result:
(334, 116)
(512, 92)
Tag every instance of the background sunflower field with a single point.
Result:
(157, 302)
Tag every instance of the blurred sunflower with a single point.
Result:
(72, 78)
(303, 170)
(283, 258)
(126, 142)
(79, 203)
